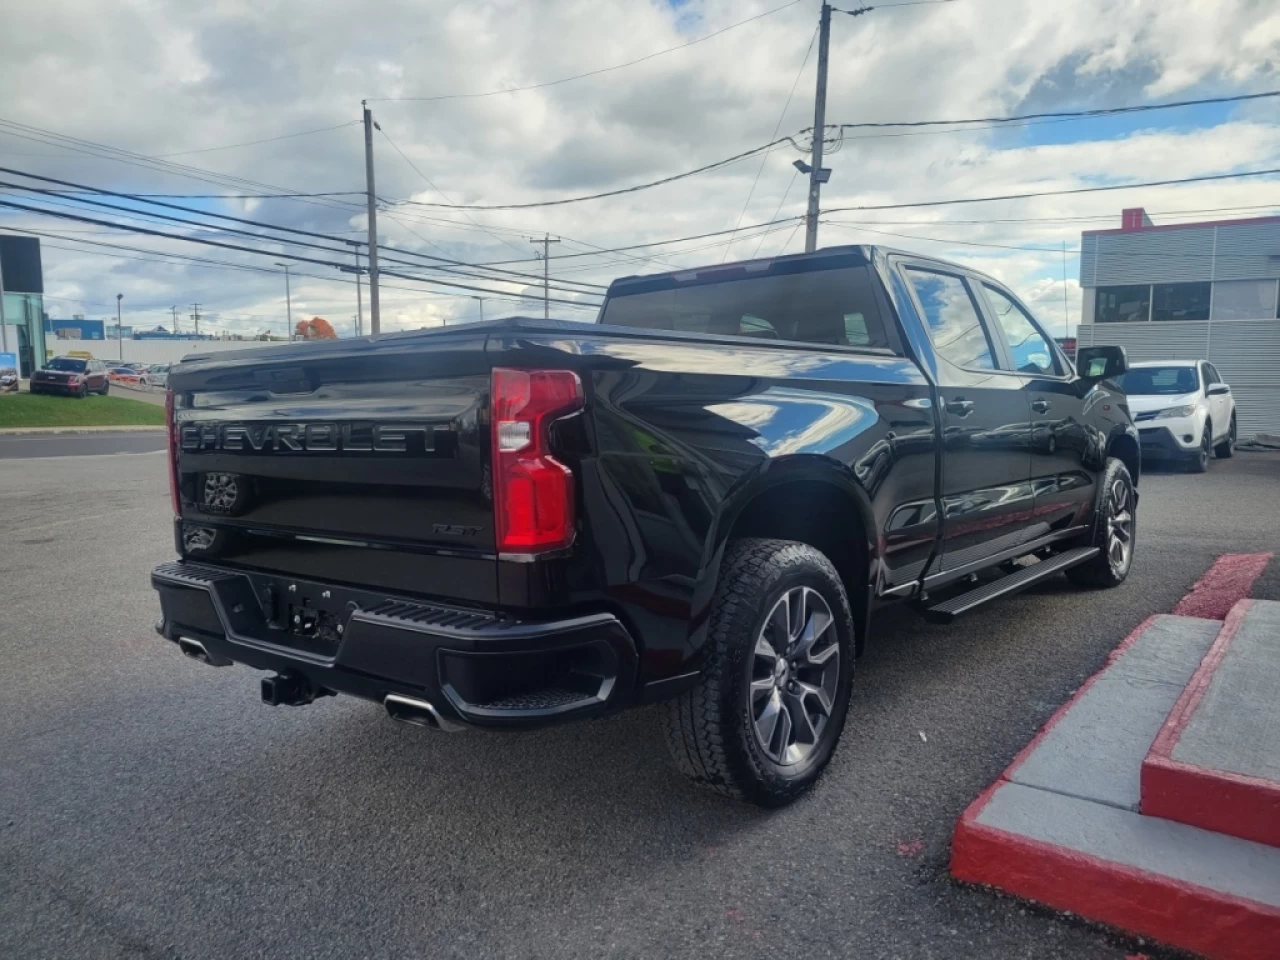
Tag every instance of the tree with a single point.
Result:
(317, 328)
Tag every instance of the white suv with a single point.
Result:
(1183, 411)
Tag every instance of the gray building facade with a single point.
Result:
(1191, 291)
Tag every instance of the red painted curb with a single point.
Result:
(1230, 803)
(1224, 584)
(1174, 912)
(1181, 914)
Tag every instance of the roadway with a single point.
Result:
(151, 806)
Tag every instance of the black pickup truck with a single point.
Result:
(703, 499)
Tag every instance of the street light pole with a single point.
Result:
(288, 298)
(546, 242)
(119, 338)
(359, 298)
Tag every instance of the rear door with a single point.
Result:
(987, 499)
(1062, 483)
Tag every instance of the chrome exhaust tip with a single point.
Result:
(197, 651)
(420, 713)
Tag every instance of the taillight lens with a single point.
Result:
(532, 491)
(172, 432)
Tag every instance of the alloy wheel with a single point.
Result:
(794, 676)
(1120, 526)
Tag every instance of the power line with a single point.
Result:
(590, 73)
(1059, 193)
(612, 193)
(776, 127)
(250, 143)
(427, 180)
(243, 249)
(1056, 115)
(223, 196)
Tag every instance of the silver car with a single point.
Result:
(156, 375)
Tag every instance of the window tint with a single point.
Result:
(1244, 300)
(1180, 301)
(952, 319)
(834, 305)
(1031, 351)
(67, 364)
(1123, 304)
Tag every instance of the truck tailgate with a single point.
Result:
(361, 462)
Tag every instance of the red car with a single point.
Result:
(72, 376)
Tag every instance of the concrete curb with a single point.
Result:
(1231, 803)
(50, 431)
(1186, 915)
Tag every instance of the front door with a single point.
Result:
(1219, 403)
(986, 493)
(1060, 441)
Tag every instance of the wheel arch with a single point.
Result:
(814, 500)
(1125, 448)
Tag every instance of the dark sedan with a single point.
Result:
(73, 376)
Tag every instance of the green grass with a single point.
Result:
(25, 410)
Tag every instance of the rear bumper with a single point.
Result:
(476, 669)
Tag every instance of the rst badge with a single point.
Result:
(354, 437)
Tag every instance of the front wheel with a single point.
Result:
(1199, 462)
(83, 392)
(766, 716)
(106, 387)
(1114, 532)
(1227, 448)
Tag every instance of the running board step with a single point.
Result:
(948, 610)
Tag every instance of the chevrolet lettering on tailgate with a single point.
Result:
(309, 437)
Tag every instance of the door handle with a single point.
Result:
(1041, 406)
(959, 407)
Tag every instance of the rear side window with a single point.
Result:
(952, 319)
(833, 305)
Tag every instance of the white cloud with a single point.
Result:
(157, 78)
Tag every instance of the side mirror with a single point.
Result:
(1101, 363)
(1218, 389)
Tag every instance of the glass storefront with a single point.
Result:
(23, 331)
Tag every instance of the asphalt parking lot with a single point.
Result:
(153, 807)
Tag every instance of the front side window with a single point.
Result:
(1180, 301)
(1031, 351)
(952, 319)
(1131, 304)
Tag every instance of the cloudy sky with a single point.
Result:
(167, 97)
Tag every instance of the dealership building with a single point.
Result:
(1191, 291)
(22, 302)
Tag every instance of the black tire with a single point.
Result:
(1227, 448)
(1199, 463)
(713, 730)
(106, 388)
(83, 391)
(1106, 570)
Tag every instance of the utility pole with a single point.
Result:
(1066, 305)
(119, 338)
(288, 300)
(546, 242)
(375, 318)
(195, 317)
(174, 311)
(359, 298)
(481, 299)
(818, 176)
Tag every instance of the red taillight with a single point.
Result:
(172, 431)
(532, 491)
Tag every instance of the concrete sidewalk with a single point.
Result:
(1066, 824)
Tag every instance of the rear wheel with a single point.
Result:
(1227, 448)
(1114, 530)
(1199, 463)
(764, 721)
